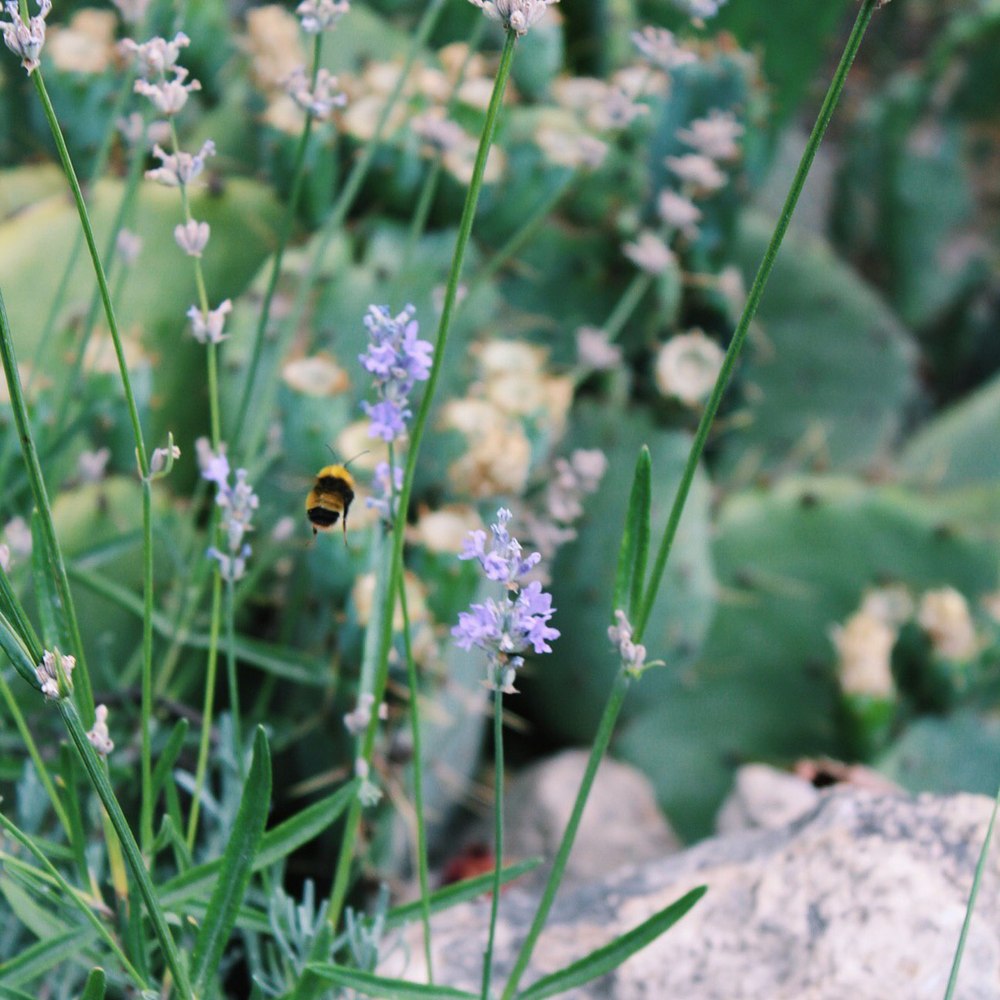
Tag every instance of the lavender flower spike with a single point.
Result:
(515, 15)
(25, 40)
(238, 503)
(397, 360)
(506, 628)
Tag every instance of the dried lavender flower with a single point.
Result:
(633, 654)
(515, 15)
(660, 47)
(99, 736)
(317, 99)
(192, 237)
(54, 674)
(207, 328)
(321, 15)
(180, 169)
(25, 40)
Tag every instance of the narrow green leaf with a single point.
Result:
(9, 993)
(48, 875)
(237, 868)
(169, 835)
(634, 551)
(73, 799)
(247, 919)
(288, 664)
(168, 756)
(11, 606)
(643, 526)
(12, 642)
(96, 982)
(19, 409)
(99, 779)
(275, 845)
(459, 892)
(37, 959)
(984, 852)
(46, 595)
(386, 989)
(608, 958)
(22, 895)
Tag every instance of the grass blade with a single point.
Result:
(11, 606)
(14, 644)
(82, 691)
(387, 989)
(37, 959)
(274, 845)
(168, 756)
(608, 958)
(460, 892)
(96, 983)
(973, 893)
(634, 551)
(137, 866)
(237, 867)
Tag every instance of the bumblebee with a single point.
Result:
(330, 498)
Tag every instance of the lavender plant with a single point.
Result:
(605, 214)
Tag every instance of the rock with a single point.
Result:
(863, 897)
(621, 824)
(764, 798)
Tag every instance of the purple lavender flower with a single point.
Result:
(383, 502)
(397, 359)
(506, 628)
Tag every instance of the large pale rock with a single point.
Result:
(621, 824)
(764, 798)
(862, 898)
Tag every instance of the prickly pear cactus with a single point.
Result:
(790, 563)
(568, 691)
(959, 446)
(829, 371)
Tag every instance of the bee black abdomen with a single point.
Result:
(323, 517)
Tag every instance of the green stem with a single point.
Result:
(627, 304)
(78, 899)
(342, 876)
(285, 234)
(604, 731)
(345, 200)
(133, 857)
(497, 839)
(146, 806)
(82, 690)
(750, 310)
(100, 162)
(418, 767)
(529, 227)
(215, 418)
(102, 281)
(423, 210)
(234, 691)
(206, 722)
(69, 393)
(426, 199)
(36, 758)
(973, 894)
